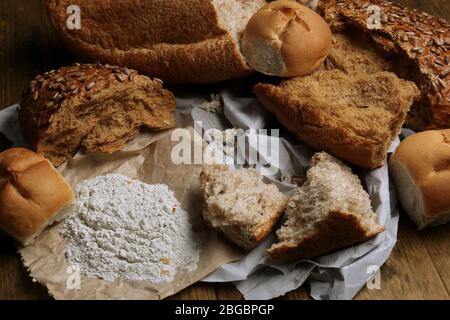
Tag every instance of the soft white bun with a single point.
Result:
(421, 171)
(286, 39)
(32, 194)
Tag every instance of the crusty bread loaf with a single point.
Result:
(286, 39)
(32, 194)
(195, 41)
(420, 169)
(353, 116)
(417, 43)
(91, 106)
(239, 204)
(329, 212)
(4, 142)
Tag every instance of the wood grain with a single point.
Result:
(419, 267)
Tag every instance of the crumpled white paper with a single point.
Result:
(339, 275)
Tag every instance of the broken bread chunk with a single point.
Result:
(94, 107)
(353, 116)
(330, 211)
(239, 204)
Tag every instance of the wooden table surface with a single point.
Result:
(419, 267)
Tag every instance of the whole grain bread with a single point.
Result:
(354, 116)
(195, 41)
(239, 204)
(92, 106)
(417, 43)
(330, 211)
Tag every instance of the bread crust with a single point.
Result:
(417, 38)
(197, 50)
(339, 230)
(32, 193)
(425, 157)
(319, 129)
(245, 235)
(53, 102)
(299, 36)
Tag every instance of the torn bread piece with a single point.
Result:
(330, 211)
(239, 204)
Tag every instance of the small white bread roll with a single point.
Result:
(420, 168)
(32, 194)
(286, 39)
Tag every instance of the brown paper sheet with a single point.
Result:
(148, 159)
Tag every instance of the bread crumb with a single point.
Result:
(214, 105)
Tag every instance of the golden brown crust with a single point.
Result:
(183, 43)
(415, 37)
(359, 136)
(339, 230)
(31, 193)
(426, 156)
(299, 36)
(54, 104)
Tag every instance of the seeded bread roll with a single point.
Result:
(420, 169)
(330, 211)
(286, 39)
(91, 106)
(417, 43)
(179, 41)
(32, 194)
(239, 204)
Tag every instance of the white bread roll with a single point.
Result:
(32, 194)
(421, 171)
(286, 39)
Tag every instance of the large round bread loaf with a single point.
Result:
(91, 106)
(195, 41)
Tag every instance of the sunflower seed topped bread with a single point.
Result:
(32, 194)
(195, 41)
(353, 116)
(330, 211)
(92, 106)
(418, 43)
(239, 204)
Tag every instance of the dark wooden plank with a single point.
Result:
(410, 272)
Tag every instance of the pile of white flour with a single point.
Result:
(126, 229)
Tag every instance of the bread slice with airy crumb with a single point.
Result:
(330, 211)
(239, 204)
